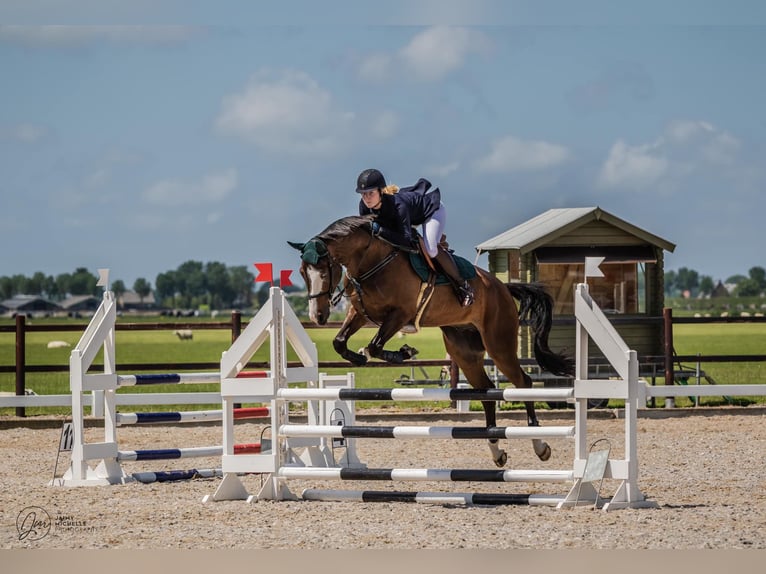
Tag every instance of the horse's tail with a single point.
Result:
(536, 310)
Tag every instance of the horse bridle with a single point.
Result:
(333, 298)
(356, 282)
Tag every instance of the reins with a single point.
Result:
(356, 282)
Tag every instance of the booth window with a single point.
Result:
(621, 290)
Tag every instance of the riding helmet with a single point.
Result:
(369, 180)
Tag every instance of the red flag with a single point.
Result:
(284, 278)
(265, 273)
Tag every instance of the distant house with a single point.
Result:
(720, 290)
(29, 305)
(81, 303)
(131, 301)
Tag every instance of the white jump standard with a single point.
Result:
(277, 322)
(107, 455)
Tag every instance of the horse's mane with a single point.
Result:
(345, 226)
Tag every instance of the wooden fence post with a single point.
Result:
(670, 377)
(21, 352)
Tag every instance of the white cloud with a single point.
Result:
(443, 170)
(684, 149)
(286, 112)
(431, 55)
(24, 132)
(376, 68)
(634, 167)
(437, 51)
(711, 143)
(73, 36)
(212, 189)
(511, 154)
(384, 125)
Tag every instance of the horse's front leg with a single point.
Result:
(388, 329)
(351, 324)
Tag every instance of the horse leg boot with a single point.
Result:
(462, 288)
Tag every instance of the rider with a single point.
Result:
(397, 210)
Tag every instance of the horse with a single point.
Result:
(383, 288)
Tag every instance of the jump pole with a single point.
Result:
(442, 498)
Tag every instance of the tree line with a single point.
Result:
(218, 286)
(688, 280)
(191, 285)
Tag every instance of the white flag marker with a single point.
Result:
(103, 278)
(592, 267)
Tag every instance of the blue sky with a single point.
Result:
(137, 136)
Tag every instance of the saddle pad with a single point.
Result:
(418, 262)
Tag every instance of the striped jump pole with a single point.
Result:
(192, 452)
(345, 394)
(182, 378)
(415, 432)
(425, 474)
(176, 475)
(190, 416)
(444, 498)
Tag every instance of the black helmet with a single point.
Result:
(370, 179)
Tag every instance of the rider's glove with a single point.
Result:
(375, 228)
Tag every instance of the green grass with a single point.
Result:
(207, 346)
(723, 339)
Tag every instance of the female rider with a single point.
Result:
(397, 210)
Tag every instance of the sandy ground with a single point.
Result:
(706, 473)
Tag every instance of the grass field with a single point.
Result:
(207, 346)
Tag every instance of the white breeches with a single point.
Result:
(433, 229)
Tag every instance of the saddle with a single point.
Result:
(430, 276)
(424, 267)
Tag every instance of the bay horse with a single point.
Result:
(383, 288)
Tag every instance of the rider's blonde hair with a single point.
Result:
(389, 189)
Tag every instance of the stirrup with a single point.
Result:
(465, 295)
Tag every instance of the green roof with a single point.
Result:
(547, 226)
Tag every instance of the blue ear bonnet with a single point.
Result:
(313, 251)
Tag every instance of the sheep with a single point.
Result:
(58, 344)
(184, 334)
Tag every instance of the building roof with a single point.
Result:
(131, 298)
(81, 302)
(554, 223)
(29, 303)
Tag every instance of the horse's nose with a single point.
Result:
(321, 318)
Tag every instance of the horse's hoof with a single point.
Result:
(356, 359)
(408, 352)
(546, 454)
(502, 459)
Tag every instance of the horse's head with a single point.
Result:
(322, 260)
(321, 273)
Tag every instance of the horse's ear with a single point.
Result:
(298, 246)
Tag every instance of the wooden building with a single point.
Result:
(551, 248)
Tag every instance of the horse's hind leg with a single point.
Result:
(521, 380)
(542, 448)
(465, 347)
(506, 360)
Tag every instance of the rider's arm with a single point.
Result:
(396, 239)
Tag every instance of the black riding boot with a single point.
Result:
(462, 288)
